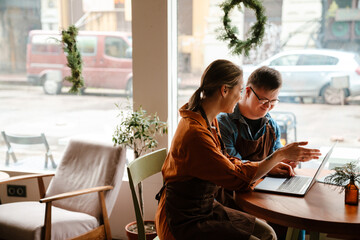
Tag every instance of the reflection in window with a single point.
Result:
(33, 68)
(316, 59)
(45, 44)
(116, 47)
(87, 45)
(290, 60)
(292, 25)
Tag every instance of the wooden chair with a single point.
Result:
(138, 170)
(26, 140)
(77, 202)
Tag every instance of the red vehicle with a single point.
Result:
(107, 60)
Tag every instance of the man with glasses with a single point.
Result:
(250, 133)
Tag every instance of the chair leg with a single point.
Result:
(46, 161)
(52, 161)
(105, 219)
(47, 222)
(302, 234)
(14, 158)
(8, 153)
(7, 158)
(292, 233)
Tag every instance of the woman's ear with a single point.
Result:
(224, 90)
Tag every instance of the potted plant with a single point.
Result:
(137, 131)
(346, 177)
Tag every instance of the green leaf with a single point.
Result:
(138, 130)
(342, 175)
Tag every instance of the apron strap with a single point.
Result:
(203, 114)
(158, 195)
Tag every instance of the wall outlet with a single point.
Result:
(16, 191)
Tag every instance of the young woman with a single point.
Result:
(197, 164)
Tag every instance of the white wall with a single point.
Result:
(150, 71)
(150, 85)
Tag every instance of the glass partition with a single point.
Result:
(314, 45)
(35, 97)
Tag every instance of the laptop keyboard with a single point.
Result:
(293, 184)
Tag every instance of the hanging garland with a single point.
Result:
(73, 57)
(229, 32)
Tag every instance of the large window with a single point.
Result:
(321, 88)
(35, 98)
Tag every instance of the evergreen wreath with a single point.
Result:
(229, 32)
(73, 57)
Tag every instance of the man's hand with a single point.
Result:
(291, 163)
(282, 170)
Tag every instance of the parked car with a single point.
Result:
(316, 73)
(107, 60)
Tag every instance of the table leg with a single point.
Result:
(292, 233)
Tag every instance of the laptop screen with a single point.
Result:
(323, 163)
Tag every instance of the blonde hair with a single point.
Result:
(219, 72)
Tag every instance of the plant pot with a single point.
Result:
(131, 230)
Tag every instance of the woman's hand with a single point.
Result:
(292, 152)
(295, 152)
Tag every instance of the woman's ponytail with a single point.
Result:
(195, 99)
(218, 73)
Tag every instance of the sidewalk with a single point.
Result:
(13, 79)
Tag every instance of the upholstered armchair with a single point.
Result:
(78, 200)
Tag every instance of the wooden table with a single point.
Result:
(3, 175)
(321, 210)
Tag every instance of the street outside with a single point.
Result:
(26, 110)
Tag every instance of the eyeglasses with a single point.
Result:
(265, 101)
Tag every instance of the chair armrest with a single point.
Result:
(75, 193)
(24, 177)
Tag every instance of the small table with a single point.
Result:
(321, 210)
(4, 175)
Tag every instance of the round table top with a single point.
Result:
(4, 175)
(323, 209)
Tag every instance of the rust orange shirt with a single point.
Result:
(195, 152)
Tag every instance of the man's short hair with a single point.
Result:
(265, 78)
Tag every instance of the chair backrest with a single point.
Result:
(25, 140)
(138, 170)
(84, 165)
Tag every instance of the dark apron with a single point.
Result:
(255, 150)
(192, 213)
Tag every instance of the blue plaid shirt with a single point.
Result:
(229, 130)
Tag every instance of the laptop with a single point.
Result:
(297, 185)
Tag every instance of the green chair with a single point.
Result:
(138, 170)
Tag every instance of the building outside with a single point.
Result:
(19, 17)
